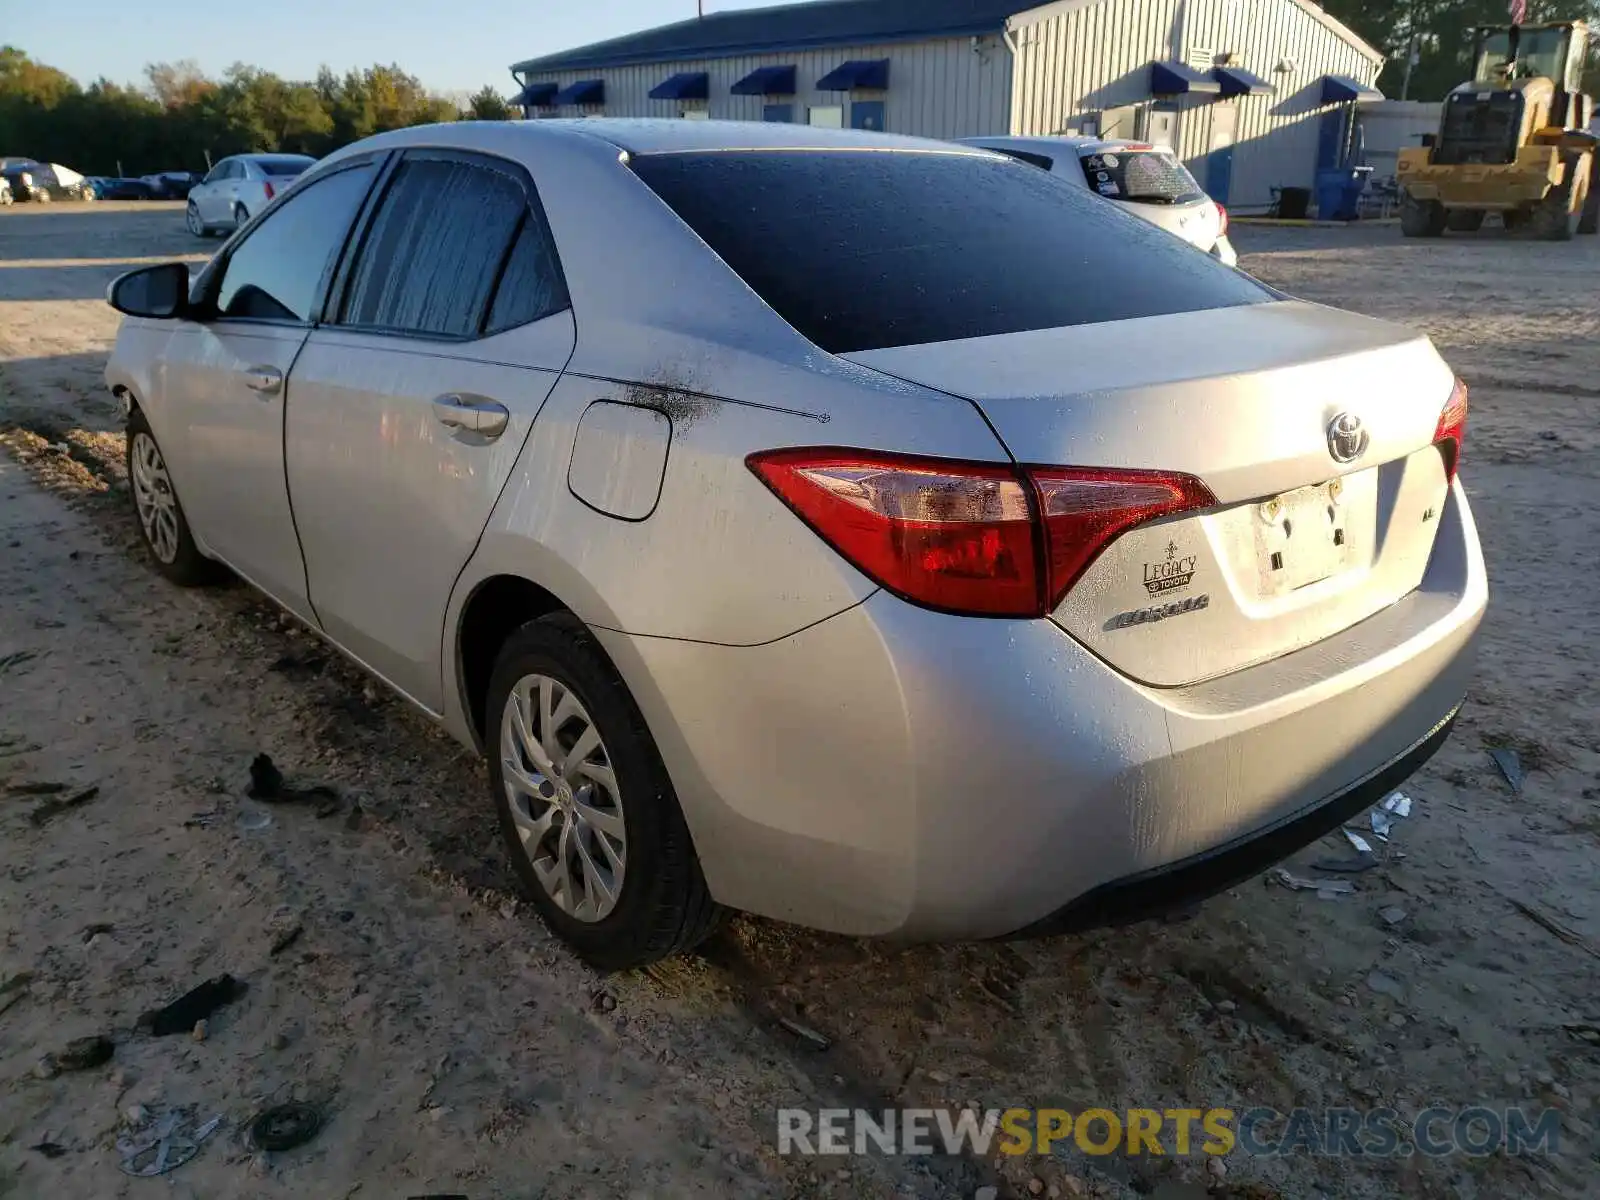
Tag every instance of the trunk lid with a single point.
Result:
(1300, 546)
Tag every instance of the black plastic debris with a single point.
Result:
(39, 788)
(49, 1149)
(285, 1126)
(85, 1053)
(266, 781)
(1510, 764)
(267, 784)
(51, 809)
(196, 1005)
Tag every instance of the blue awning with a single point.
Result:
(585, 91)
(688, 85)
(537, 95)
(859, 73)
(766, 81)
(1236, 81)
(1180, 79)
(1341, 89)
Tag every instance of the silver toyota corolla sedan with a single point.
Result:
(871, 533)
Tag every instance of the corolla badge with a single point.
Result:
(1347, 440)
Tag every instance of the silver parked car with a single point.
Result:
(851, 529)
(237, 188)
(1148, 179)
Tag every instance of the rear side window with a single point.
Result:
(1142, 176)
(1027, 156)
(531, 287)
(433, 253)
(866, 250)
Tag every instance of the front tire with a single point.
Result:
(588, 813)
(159, 514)
(191, 218)
(1421, 218)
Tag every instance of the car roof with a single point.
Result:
(656, 136)
(1076, 142)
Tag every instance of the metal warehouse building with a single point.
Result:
(1253, 94)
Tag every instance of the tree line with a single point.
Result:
(1438, 36)
(182, 119)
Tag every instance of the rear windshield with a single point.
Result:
(284, 166)
(863, 250)
(1143, 176)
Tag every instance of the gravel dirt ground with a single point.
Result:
(395, 981)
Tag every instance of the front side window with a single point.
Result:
(433, 253)
(277, 272)
(220, 171)
(862, 250)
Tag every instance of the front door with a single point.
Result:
(405, 419)
(209, 196)
(1219, 155)
(867, 114)
(227, 383)
(1161, 125)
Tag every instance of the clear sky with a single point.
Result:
(450, 45)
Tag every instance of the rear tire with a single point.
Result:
(1421, 218)
(662, 906)
(240, 216)
(160, 517)
(1464, 220)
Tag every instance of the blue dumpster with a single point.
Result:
(1339, 192)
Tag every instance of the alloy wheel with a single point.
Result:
(154, 498)
(192, 218)
(563, 797)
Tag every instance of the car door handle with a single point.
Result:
(486, 418)
(266, 380)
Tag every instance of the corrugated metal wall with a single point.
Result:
(1074, 59)
(940, 89)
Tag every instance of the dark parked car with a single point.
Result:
(127, 189)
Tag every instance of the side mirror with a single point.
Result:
(160, 292)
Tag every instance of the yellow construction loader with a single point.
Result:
(1515, 141)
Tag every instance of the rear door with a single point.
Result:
(222, 411)
(411, 405)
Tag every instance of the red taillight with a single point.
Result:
(1085, 510)
(978, 538)
(271, 191)
(1451, 434)
(1222, 215)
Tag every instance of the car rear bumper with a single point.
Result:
(897, 772)
(1175, 885)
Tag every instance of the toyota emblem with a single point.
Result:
(1347, 440)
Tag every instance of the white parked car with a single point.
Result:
(1148, 179)
(239, 187)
